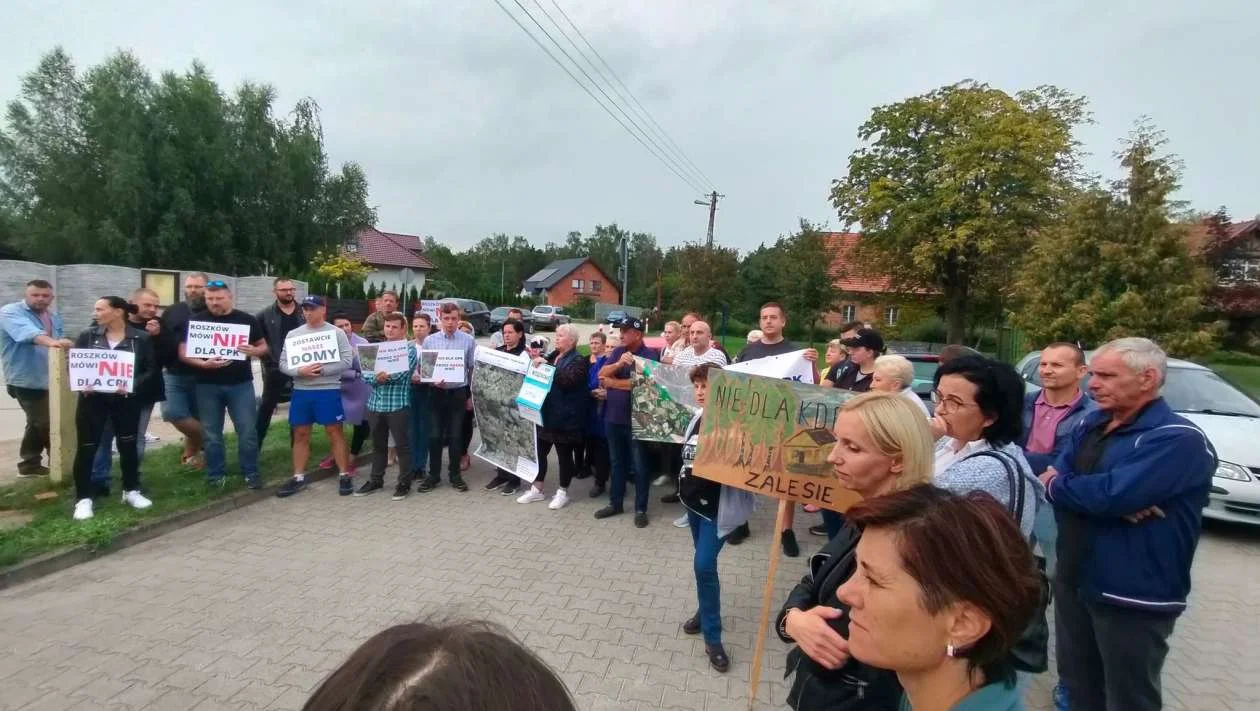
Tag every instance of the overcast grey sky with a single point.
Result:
(466, 128)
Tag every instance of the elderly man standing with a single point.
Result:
(374, 325)
(28, 328)
(1128, 491)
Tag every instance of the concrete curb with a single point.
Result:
(57, 561)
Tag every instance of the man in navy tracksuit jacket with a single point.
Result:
(1128, 492)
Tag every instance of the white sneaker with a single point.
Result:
(559, 501)
(151, 438)
(681, 522)
(530, 496)
(83, 510)
(661, 480)
(136, 500)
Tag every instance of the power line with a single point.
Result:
(690, 182)
(642, 109)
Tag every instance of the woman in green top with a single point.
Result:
(945, 584)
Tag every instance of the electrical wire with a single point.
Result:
(647, 144)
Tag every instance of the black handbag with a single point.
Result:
(1031, 652)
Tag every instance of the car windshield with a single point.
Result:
(1204, 391)
(500, 312)
(924, 369)
(542, 309)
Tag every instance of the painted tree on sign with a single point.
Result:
(952, 185)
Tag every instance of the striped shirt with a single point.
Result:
(395, 393)
(688, 358)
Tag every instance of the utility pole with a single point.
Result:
(623, 270)
(712, 203)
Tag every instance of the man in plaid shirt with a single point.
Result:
(388, 412)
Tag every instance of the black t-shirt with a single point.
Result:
(174, 329)
(833, 373)
(1074, 534)
(753, 351)
(288, 322)
(239, 371)
(852, 378)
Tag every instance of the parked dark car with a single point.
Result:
(500, 314)
(475, 312)
(549, 316)
(615, 316)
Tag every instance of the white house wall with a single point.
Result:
(392, 279)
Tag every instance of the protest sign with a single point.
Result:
(441, 366)
(508, 440)
(662, 401)
(534, 390)
(312, 349)
(388, 357)
(101, 370)
(210, 339)
(772, 437)
(787, 366)
(430, 307)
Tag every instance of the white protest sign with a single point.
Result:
(534, 390)
(392, 357)
(442, 366)
(788, 366)
(208, 339)
(311, 349)
(430, 307)
(100, 370)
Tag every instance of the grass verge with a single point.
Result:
(173, 488)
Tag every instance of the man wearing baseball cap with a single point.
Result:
(316, 393)
(623, 450)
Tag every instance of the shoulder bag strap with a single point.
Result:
(1013, 478)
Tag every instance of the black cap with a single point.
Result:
(866, 338)
(630, 322)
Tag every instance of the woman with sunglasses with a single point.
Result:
(979, 413)
(119, 408)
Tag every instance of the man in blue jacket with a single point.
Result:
(1128, 491)
(28, 328)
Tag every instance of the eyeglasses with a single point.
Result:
(216, 284)
(949, 403)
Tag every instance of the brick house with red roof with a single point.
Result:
(867, 297)
(1235, 255)
(397, 260)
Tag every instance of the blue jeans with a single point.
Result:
(105, 450)
(239, 402)
(626, 453)
(708, 589)
(1046, 529)
(419, 428)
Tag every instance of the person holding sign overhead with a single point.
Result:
(218, 344)
(315, 355)
(107, 396)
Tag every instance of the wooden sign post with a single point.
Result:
(62, 404)
(766, 595)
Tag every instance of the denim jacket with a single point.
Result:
(25, 364)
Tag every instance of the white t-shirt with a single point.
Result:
(688, 358)
(910, 395)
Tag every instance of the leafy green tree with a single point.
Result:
(703, 279)
(1119, 264)
(952, 185)
(803, 277)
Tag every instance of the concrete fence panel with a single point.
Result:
(15, 274)
(80, 285)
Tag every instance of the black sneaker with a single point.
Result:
(512, 487)
(739, 535)
(818, 530)
(33, 473)
(788, 541)
(692, 625)
(429, 483)
(640, 519)
(401, 492)
(458, 484)
(608, 512)
(670, 498)
(345, 485)
(369, 487)
(496, 482)
(598, 490)
(717, 657)
(290, 487)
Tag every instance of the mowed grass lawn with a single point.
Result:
(172, 487)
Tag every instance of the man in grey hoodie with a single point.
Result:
(314, 355)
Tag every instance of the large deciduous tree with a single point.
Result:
(118, 167)
(1119, 264)
(951, 186)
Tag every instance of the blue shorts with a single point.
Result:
(310, 407)
(181, 397)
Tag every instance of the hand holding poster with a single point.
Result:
(662, 401)
(534, 391)
(787, 366)
(209, 339)
(442, 366)
(388, 357)
(311, 349)
(102, 371)
(508, 440)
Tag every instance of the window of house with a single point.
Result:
(577, 284)
(352, 247)
(596, 285)
(848, 312)
(890, 315)
(1239, 271)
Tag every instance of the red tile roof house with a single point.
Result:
(397, 260)
(867, 297)
(1236, 256)
(565, 280)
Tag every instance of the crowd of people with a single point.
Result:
(932, 592)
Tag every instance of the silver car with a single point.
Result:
(1229, 417)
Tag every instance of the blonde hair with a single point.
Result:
(466, 327)
(896, 367)
(898, 429)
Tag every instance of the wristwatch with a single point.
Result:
(783, 625)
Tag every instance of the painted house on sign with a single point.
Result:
(806, 451)
(564, 281)
(397, 260)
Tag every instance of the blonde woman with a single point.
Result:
(883, 446)
(895, 374)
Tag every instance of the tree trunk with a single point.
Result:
(956, 314)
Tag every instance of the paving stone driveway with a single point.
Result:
(250, 610)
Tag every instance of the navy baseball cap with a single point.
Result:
(630, 322)
(313, 302)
